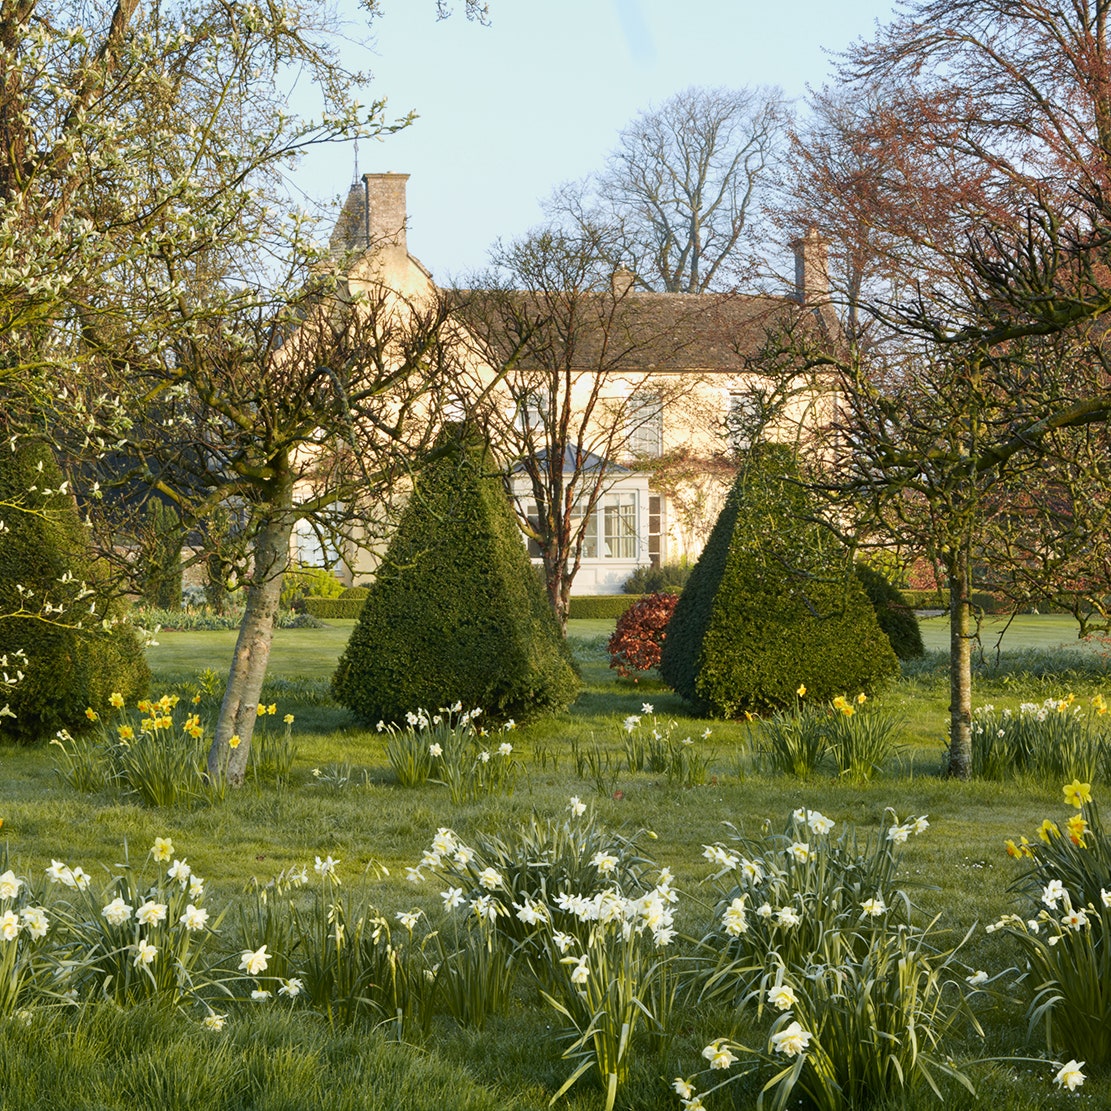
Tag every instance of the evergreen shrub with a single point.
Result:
(668, 578)
(44, 549)
(895, 617)
(455, 613)
(772, 604)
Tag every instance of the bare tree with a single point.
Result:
(572, 344)
(680, 194)
(975, 188)
(311, 410)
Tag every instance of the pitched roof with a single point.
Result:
(662, 332)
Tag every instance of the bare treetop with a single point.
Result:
(677, 201)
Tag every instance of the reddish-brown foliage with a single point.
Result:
(640, 634)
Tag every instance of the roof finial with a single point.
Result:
(355, 175)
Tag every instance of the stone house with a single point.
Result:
(660, 389)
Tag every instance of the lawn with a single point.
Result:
(341, 800)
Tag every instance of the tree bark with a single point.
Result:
(228, 764)
(960, 666)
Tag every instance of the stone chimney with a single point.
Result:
(621, 282)
(811, 268)
(373, 216)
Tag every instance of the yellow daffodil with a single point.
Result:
(1077, 827)
(862, 698)
(288, 719)
(1048, 829)
(126, 733)
(801, 692)
(234, 741)
(260, 709)
(272, 708)
(116, 700)
(91, 714)
(1077, 793)
(1013, 851)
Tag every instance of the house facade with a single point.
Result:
(652, 394)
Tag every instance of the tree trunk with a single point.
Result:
(558, 591)
(960, 667)
(252, 649)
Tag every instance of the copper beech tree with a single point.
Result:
(962, 172)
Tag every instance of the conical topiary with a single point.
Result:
(772, 605)
(895, 617)
(455, 613)
(45, 567)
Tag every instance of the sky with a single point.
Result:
(508, 111)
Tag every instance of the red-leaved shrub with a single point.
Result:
(640, 634)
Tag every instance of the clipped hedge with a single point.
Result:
(601, 607)
(456, 612)
(68, 669)
(771, 604)
(895, 617)
(337, 609)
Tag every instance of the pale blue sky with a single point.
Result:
(508, 111)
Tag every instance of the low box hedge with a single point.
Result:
(334, 608)
(601, 606)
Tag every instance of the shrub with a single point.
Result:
(300, 583)
(71, 661)
(895, 617)
(640, 634)
(455, 613)
(668, 578)
(772, 602)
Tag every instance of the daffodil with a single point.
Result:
(194, 918)
(1048, 829)
(782, 997)
(1077, 827)
(1077, 793)
(254, 961)
(144, 954)
(117, 912)
(162, 849)
(291, 988)
(1070, 1075)
(9, 885)
(115, 700)
(214, 1022)
(791, 1041)
(719, 1056)
(35, 921)
(151, 913)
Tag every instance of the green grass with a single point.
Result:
(92, 1058)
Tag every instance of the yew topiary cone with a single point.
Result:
(772, 605)
(456, 613)
(53, 606)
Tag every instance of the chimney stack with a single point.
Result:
(811, 268)
(373, 217)
(385, 214)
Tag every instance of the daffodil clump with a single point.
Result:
(812, 927)
(785, 896)
(156, 752)
(656, 747)
(452, 748)
(1065, 932)
(854, 736)
(1055, 739)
